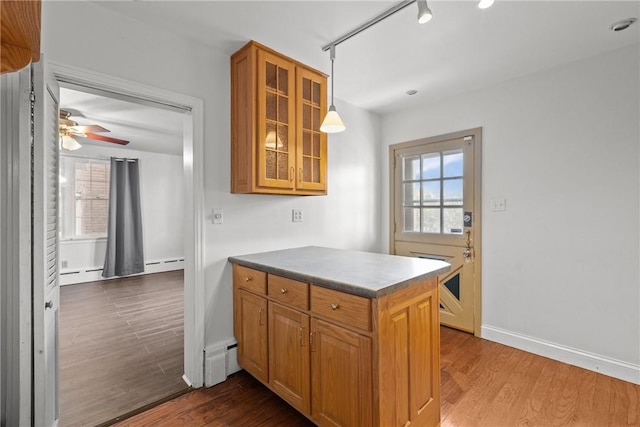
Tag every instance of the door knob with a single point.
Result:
(48, 304)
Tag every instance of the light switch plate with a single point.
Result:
(499, 205)
(217, 216)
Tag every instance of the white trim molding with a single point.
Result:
(193, 157)
(593, 362)
(220, 362)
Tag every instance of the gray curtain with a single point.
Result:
(124, 234)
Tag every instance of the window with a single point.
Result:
(432, 185)
(84, 197)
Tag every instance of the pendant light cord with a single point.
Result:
(332, 54)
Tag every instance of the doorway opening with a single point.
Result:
(191, 111)
(121, 341)
(435, 212)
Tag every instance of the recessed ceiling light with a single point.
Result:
(412, 92)
(622, 25)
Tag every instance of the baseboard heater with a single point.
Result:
(84, 275)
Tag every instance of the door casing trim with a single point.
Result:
(476, 133)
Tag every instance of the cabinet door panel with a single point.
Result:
(425, 354)
(312, 148)
(276, 121)
(341, 376)
(253, 343)
(289, 374)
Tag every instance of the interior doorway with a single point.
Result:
(131, 322)
(193, 207)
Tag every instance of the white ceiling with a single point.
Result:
(462, 49)
(146, 128)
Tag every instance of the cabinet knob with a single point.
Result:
(334, 306)
(248, 279)
(283, 290)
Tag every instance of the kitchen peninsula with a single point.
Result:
(348, 338)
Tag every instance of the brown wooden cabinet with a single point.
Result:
(19, 34)
(277, 105)
(342, 359)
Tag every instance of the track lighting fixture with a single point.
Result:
(483, 4)
(332, 122)
(424, 13)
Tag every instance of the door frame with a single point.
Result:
(476, 133)
(193, 162)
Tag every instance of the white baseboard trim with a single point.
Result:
(220, 361)
(72, 276)
(604, 365)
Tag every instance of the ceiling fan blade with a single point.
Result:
(88, 129)
(105, 138)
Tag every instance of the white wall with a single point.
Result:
(348, 217)
(161, 198)
(561, 264)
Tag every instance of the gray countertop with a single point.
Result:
(366, 274)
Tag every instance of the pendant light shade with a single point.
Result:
(69, 143)
(332, 122)
(424, 13)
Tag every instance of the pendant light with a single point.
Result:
(424, 13)
(332, 122)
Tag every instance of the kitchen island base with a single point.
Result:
(339, 358)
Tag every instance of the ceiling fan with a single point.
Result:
(70, 129)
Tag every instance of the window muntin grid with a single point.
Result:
(433, 190)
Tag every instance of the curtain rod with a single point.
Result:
(371, 22)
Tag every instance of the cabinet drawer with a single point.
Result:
(288, 291)
(250, 279)
(341, 307)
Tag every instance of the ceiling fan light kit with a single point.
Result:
(68, 129)
(424, 16)
(69, 143)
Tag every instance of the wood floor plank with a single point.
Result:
(118, 352)
(484, 384)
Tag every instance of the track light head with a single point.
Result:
(424, 13)
(484, 4)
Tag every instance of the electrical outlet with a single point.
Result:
(499, 205)
(63, 264)
(296, 215)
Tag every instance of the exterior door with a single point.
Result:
(44, 218)
(435, 214)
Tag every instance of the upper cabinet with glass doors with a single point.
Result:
(277, 105)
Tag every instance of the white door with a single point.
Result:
(46, 292)
(435, 214)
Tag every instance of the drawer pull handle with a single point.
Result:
(248, 279)
(283, 290)
(334, 306)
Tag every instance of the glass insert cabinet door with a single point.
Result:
(311, 154)
(276, 119)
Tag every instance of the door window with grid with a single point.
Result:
(84, 196)
(432, 185)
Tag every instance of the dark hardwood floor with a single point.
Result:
(483, 384)
(121, 346)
